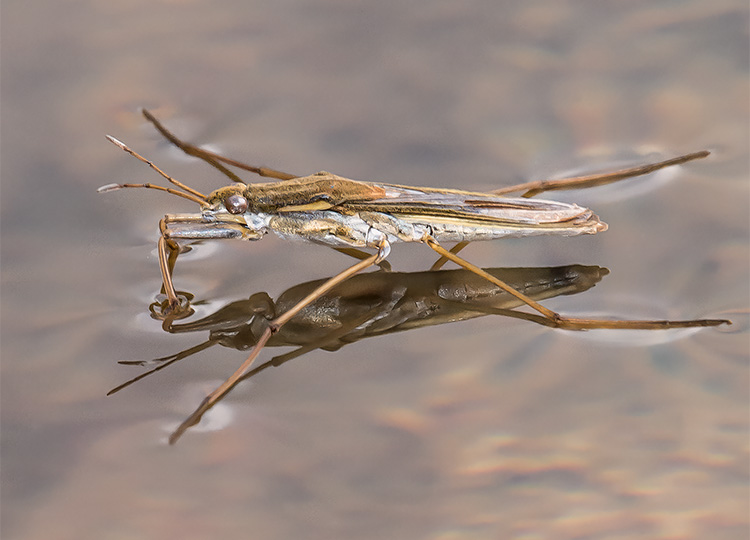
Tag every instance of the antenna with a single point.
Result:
(192, 194)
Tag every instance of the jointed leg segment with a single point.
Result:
(168, 251)
(212, 158)
(273, 327)
(531, 189)
(569, 323)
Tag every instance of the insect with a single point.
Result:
(351, 215)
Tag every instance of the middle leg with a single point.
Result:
(273, 326)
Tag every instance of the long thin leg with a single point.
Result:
(531, 189)
(168, 250)
(212, 158)
(332, 337)
(362, 255)
(569, 323)
(579, 182)
(273, 327)
(442, 260)
(163, 363)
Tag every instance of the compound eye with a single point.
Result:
(235, 204)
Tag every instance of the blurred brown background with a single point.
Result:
(485, 429)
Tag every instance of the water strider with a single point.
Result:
(350, 215)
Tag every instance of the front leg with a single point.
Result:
(168, 251)
(174, 227)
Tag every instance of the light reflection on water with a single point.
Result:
(481, 429)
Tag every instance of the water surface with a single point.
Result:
(482, 429)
